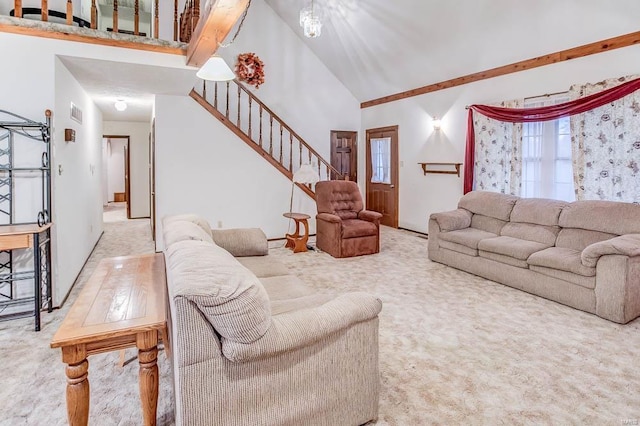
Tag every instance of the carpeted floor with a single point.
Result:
(454, 348)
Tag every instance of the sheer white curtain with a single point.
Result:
(606, 146)
(381, 160)
(498, 153)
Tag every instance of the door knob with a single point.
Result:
(392, 186)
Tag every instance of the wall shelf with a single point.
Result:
(448, 172)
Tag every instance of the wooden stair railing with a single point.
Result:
(19, 11)
(253, 122)
(189, 19)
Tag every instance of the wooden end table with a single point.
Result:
(295, 241)
(122, 305)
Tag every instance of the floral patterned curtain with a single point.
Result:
(498, 153)
(606, 146)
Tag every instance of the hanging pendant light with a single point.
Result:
(312, 26)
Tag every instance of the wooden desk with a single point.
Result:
(28, 236)
(122, 305)
(295, 241)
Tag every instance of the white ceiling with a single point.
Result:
(107, 81)
(381, 47)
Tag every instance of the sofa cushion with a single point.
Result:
(469, 237)
(625, 245)
(537, 210)
(503, 259)
(492, 204)
(453, 220)
(352, 228)
(341, 198)
(604, 216)
(285, 287)
(581, 280)
(487, 223)
(180, 230)
(512, 247)
(242, 242)
(198, 220)
(263, 266)
(458, 248)
(562, 258)
(526, 231)
(578, 239)
(229, 296)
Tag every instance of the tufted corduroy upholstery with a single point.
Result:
(344, 228)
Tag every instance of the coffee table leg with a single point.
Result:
(77, 384)
(147, 344)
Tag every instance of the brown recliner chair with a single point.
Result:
(344, 228)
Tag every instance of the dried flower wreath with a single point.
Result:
(250, 68)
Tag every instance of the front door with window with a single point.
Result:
(382, 173)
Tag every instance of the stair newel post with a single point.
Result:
(115, 16)
(175, 20)
(94, 15)
(239, 96)
(136, 17)
(45, 10)
(17, 7)
(281, 129)
(227, 113)
(271, 135)
(69, 12)
(156, 19)
(260, 139)
(215, 95)
(249, 117)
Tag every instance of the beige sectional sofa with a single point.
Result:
(252, 345)
(584, 254)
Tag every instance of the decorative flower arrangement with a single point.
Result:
(250, 68)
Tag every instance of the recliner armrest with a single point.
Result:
(370, 216)
(328, 217)
(626, 245)
(305, 327)
(453, 220)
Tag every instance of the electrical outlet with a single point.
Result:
(219, 224)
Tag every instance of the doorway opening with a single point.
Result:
(382, 173)
(116, 188)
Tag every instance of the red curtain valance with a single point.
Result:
(527, 115)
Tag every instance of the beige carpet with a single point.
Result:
(454, 348)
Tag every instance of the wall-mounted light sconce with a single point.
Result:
(436, 123)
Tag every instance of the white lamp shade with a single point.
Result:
(216, 69)
(306, 174)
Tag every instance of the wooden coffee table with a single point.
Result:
(295, 241)
(122, 305)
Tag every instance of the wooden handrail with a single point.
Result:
(189, 20)
(289, 129)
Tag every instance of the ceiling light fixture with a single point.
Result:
(310, 21)
(216, 69)
(436, 123)
(120, 105)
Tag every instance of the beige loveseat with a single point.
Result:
(252, 345)
(584, 254)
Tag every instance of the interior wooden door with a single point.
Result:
(344, 153)
(382, 173)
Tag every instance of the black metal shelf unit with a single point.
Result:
(25, 276)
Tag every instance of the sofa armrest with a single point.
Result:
(370, 216)
(328, 217)
(302, 328)
(453, 220)
(626, 245)
(242, 241)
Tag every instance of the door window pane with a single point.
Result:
(381, 160)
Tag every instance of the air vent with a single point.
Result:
(76, 113)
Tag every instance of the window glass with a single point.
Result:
(381, 160)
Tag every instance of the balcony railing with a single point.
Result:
(133, 17)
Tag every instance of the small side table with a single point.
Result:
(295, 241)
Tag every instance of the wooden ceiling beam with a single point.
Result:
(216, 21)
(552, 58)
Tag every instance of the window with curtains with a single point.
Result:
(546, 154)
(381, 160)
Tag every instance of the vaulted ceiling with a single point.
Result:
(380, 47)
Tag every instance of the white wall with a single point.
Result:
(214, 174)
(138, 162)
(77, 195)
(115, 166)
(28, 87)
(422, 195)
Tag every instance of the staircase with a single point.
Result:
(260, 128)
